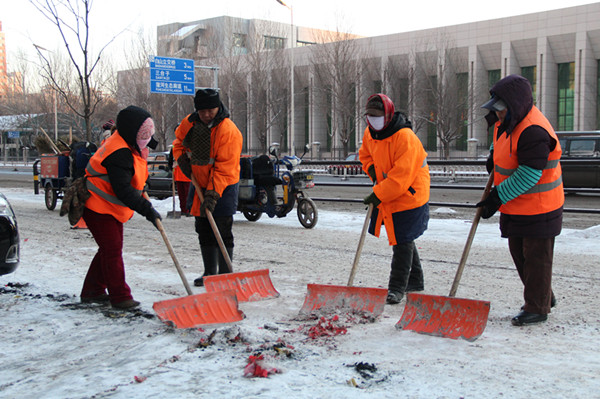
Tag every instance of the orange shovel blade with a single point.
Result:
(340, 297)
(248, 286)
(444, 316)
(196, 310)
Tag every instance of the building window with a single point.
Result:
(239, 44)
(302, 44)
(530, 73)
(273, 43)
(566, 95)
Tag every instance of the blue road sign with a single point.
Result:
(172, 75)
(13, 135)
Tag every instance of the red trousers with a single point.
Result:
(183, 188)
(107, 271)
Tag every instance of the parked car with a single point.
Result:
(160, 177)
(580, 146)
(9, 238)
(347, 169)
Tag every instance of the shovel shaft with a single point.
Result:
(163, 233)
(467, 248)
(361, 241)
(215, 229)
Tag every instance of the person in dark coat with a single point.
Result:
(528, 190)
(116, 175)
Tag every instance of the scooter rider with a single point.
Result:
(208, 145)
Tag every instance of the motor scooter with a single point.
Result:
(264, 176)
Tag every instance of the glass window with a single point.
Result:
(273, 43)
(566, 95)
(582, 148)
(239, 43)
(530, 73)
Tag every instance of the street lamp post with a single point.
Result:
(293, 44)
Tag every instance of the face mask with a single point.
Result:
(142, 143)
(376, 122)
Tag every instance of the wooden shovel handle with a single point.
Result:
(361, 241)
(163, 233)
(465, 254)
(215, 229)
(170, 248)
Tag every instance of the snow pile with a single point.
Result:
(54, 347)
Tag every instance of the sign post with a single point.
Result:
(172, 75)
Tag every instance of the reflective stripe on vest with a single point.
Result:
(103, 199)
(548, 194)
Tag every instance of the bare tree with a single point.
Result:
(442, 87)
(72, 20)
(338, 72)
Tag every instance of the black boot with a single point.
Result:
(401, 264)
(223, 268)
(210, 257)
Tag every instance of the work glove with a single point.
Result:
(489, 164)
(152, 216)
(372, 199)
(372, 173)
(490, 204)
(210, 201)
(185, 165)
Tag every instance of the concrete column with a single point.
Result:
(547, 80)
(510, 63)
(586, 84)
(479, 93)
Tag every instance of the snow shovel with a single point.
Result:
(331, 298)
(173, 214)
(248, 286)
(195, 310)
(447, 316)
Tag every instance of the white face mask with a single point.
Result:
(376, 122)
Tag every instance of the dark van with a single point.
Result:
(580, 146)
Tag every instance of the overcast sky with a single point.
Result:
(24, 25)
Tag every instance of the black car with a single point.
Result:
(160, 178)
(9, 238)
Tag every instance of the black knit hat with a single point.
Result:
(207, 99)
(129, 121)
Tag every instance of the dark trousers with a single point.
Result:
(183, 189)
(533, 260)
(211, 253)
(407, 273)
(107, 270)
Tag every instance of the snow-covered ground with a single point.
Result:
(52, 347)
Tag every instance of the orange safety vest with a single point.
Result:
(103, 199)
(178, 175)
(548, 194)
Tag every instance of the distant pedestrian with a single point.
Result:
(528, 190)
(394, 157)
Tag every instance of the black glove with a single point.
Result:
(372, 199)
(489, 164)
(372, 173)
(185, 165)
(490, 205)
(210, 201)
(152, 216)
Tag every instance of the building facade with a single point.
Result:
(438, 77)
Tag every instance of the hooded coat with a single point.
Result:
(402, 172)
(532, 149)
(119, 164)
